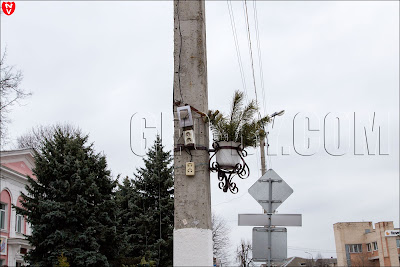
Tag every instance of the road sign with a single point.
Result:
(276, 219)
(261, 244)
(260, 190)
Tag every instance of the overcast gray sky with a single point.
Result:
(95, 64)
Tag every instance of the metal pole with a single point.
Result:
(269, 223)
(269, 212)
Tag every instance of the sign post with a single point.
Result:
(270, 191)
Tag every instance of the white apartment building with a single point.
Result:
(15, 166)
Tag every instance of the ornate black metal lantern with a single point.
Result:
(229, 162)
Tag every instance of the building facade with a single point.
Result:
(15, 166)
(360, 244)
(298, 261)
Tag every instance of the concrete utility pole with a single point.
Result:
(263, 170)
(262, 150)
(192, 217)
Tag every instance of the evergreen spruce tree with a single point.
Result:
(70, 204)
(148, 206)
(127, 200)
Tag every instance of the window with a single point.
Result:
(398, 243)
(2, 216)
(369, 247)
(375, 244)
(19, 222)
(356, 248)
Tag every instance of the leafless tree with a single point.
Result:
(361, 259)
(220, 237)
(309, 263)
(34, 138)
(244, 255)
(10, 94)
(319, 261)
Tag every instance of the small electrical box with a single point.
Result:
(188, 136)
(189, 168)
(185, 116)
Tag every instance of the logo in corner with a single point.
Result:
(8, 8)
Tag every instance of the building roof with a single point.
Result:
(20, 161)
(17, 152)
(299, 261)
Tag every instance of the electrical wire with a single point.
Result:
(259, 55)
(235, 39)
(268, 157)
(314, 249)
(190, 153)
(180, 52)
(251, 54)
(250, 50)
(145, 213)
(159, 207)
(224, 202)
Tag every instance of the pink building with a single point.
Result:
(15, 166)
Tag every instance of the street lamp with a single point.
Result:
(280, 113)
(262, 143)
(312, 259)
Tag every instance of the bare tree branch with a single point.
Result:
(220, 237)
(10, 93)
(244, 255)
(35, 137)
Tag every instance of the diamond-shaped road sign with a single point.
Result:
(280, 190)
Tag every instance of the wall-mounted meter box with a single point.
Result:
(185, 116)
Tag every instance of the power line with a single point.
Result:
(230, 200)
(235, 38)
(180, 52)
(313, 249)
(250, 49)
(261, 71)
(259, 55)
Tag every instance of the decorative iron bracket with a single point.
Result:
(225, 175)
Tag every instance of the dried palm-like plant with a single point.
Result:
(241, 125)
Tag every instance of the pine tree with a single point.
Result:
(70, 204)
(148, 207)
(127, 200)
